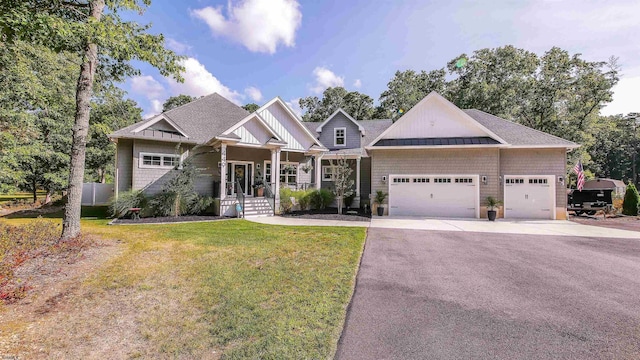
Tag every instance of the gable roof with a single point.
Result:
(201, 120)
(518, 135)
(467, 121)
(360, 127)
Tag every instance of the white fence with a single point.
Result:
(96, 194)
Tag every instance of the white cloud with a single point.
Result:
(156, 108)
(198, 81)
(625, 97)
(147, 86)
(253, 93)
(357, 83)
(294, 104)
(325, 78)
(257, 24)
(177, 46)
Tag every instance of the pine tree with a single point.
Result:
(631, 198)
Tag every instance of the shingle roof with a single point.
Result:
(479, 140)
(514, 133)
(373, 129)
(201, 119)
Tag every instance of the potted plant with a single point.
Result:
(259, 188)
(492, 206)
(288, 168)
(306, 168)
(379, 199)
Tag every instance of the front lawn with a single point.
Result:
(228, 289)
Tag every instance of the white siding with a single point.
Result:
(434, 119)
(289, 128)
(246, 136)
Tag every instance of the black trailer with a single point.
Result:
(590, 201)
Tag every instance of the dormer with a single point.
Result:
(340, 131)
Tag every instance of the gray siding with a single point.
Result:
(365, 178)
(151, 179)
(437, 161)
(353, 135)
(538, 162)
(124, 164)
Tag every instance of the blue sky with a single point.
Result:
(254, 50)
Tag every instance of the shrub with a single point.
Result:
(321, 198)
(631, 198)
(304, 199)
(127, 200)
(178, 196)
(285, 200)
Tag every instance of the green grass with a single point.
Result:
(242, 289)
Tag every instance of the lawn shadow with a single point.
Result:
(51, 212)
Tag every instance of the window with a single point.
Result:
(537, 181)
(401, 180)
(327, 173)
(288, 173)
(515, 181)
(464, 180)
(168, 161)
(442, 180)
(339, 136)
(267, 172)
(421, 180)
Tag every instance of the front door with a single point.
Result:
(241, 173)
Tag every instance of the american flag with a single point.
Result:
(580, 172)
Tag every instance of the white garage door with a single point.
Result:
(529, 197)
(434, 195)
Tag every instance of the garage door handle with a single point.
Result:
(526, 196)
(432, 196)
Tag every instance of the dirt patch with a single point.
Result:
(169, 219)
(631, 223)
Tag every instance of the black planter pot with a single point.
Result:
(380, 210)
(492, 215)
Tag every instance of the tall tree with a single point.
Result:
(175, 101)
(251, 107)
(408, 87)
(97, 33)
(356, 104)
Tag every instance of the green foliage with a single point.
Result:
(321, 198)
(631, 198)
(342, 182)
(251, 107)
(285, 199)
(176, 101)
(127, 200)
(357, 105)
(380, 197)
(492, 203)
(178, 196)
(407, 88)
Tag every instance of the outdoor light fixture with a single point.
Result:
(484, 179)
(561, 179)
(500, 179)
(384, 179)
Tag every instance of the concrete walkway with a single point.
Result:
(279, 220)
(501, 226)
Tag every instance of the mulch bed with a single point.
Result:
(168, 219)
(327, 215)
(631, 223)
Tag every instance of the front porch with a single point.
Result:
(251, 181)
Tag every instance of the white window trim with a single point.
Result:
(324, 172)
(264, 174)
(335, 137)
(141, 164)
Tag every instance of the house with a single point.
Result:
(437, 160)
(232, 149)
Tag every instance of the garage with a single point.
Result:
(434, 195)
(529, 197)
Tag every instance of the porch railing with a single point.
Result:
(240, 195)
(299, 186)
(271, 197)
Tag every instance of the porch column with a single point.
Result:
(223, 171)
(358, 178)
(318, 166)
(275, 176)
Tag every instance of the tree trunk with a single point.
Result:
(35, 192)
(84, 92)
(103, 178)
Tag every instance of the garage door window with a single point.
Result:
(421, 180)
(401, 180)
(515, 181)
(442, 180)
(537, 181)
(464, 180)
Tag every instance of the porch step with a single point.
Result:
(257, 207)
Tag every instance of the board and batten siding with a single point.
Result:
(289, 128)
(483, 162)
(253, 132)
(124, 164)
(538, 162)
(352, 133)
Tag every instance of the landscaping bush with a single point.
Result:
(127, 200)
(304, 199)
(178, 196)
(631, 198)
(321, 198)
(285, 200)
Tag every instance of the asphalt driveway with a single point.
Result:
(464, 295)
